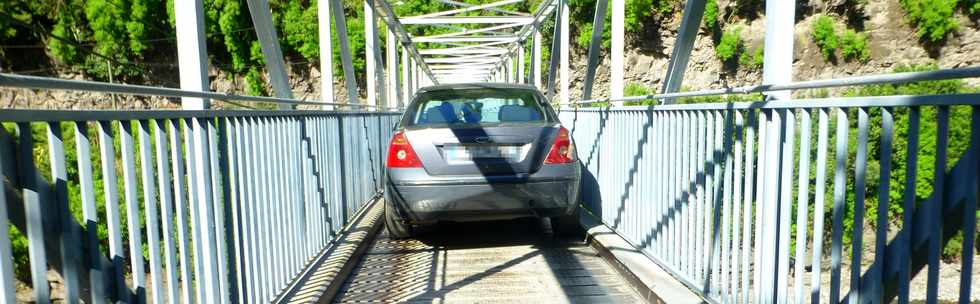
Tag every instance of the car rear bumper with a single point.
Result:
(553, 192)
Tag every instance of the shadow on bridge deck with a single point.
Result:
(501, 261)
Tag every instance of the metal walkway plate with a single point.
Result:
(487, 262)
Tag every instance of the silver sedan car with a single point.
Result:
(477, 152)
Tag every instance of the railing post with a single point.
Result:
(536, 57)
(326, 53)
(391, 51)
(370, 34)
(192, 51)
(616, 53)
(564, 74)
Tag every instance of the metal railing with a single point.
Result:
(190, 206)
(722, 197)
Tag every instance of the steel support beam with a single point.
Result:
(492, 9)
(563, 53)
(616, 53)
(468, 9)
(391, 49)
(326, 54)
(520, 63)
(340, 25)
(406, 79)
(467, 20)
(275, 64)
(556, 44)
(598, 22)
(490, 29)
(690, 23)
(192, 56)
(370, 37)
(536, 58)
(506, 39)
(388, 15)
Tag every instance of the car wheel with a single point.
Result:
(567, 225)
(397, 228)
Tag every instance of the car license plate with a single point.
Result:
(466, 153)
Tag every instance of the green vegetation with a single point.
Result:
(753, 59)
(711, 15)
(825, 36)
(853, 45)
(730, 45)
(637, 13)
(933, 19)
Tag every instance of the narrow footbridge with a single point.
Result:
(781, 199)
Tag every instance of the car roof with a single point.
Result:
(477, 85)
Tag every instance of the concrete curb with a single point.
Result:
(651, 282)
(324, 277)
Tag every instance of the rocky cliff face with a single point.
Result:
(891, 41)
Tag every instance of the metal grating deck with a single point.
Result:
(490, 262)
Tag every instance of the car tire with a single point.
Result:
(394, 224)
(567, 225)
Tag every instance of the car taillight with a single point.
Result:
(562, 151)
(401, 154)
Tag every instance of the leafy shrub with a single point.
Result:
(933, 18)
(635, 89)
(752, 58)
(730, 45)
(711, 15)
(854, 46)
(825, 36)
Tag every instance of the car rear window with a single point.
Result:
(479, 106)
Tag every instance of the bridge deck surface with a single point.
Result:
(490, 262)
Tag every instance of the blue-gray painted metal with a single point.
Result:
(222, 190)
(713, 201)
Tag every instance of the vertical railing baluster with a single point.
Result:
(934, 224)
(877, 272)
(818, 209)
(722, 279)
(712, 219)
(860, 172)
(969, 215)
(6, 251)
(803, 201)
(68, 242)
(736, 218)
(150, 211)
(748, 199)
(785, 205)
(191, 128)
(216, 210)
(107, 154)
(908, 205)
(90, 215)
(222, 145)
(181, 201)
(132, 209)
(840, 191)
(34, 212)
(166, 206)
(762, 162)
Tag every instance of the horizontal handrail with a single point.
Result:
(47, 83)
(944, 74)
(815, 103)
